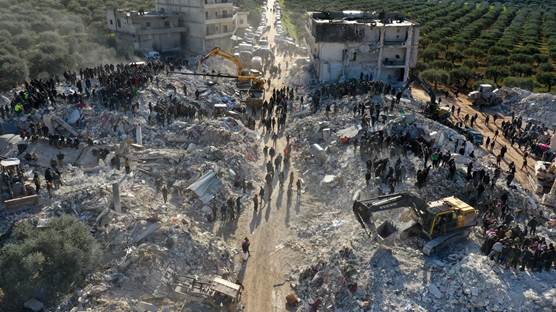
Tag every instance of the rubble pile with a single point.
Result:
(149, 245)
(538, 106)
(366, 278)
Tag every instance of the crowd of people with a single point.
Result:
(514, 245)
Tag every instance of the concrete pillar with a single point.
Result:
(381, 49)
(116, 197)
(138, 135)
(408, 50)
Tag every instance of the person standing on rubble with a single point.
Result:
(127, 166)
(164, 193)
(37, 182)
(60, 158)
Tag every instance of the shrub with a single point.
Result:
(45, 263)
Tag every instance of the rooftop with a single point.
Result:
(359, 17)
(146, 13)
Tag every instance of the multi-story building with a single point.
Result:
(147, 31)
(210, 23)
(346, 44)
(195, 26)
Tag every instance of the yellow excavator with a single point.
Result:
(440, 222)
(247, 80)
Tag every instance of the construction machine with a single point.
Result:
(248, 81)
(432, 110)
(16, 192)
(440, 222)
(485, 96)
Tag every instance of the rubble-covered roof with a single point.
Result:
(358, 17)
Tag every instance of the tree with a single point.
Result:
(454, 55)
(461, 76)
(13, 71)
(548, 79)
(496, 72)
(521, 69)
(519, 82)
(435, 76)
(473, 52)
(430, 53)
(546, 67)
(45, 263)
(496, 50)
(521, 58)
(441, 64)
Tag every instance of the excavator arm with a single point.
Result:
(225, 55)
(414, 78)
(364, 209)
(257, 81)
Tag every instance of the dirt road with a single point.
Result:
(513, 154)
(264, 274)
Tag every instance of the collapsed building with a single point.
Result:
(348, 44)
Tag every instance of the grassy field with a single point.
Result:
(463, 43)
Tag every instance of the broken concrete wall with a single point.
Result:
(338, 32)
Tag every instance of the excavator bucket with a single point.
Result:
(389, 217)
(386, 230)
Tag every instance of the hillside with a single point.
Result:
(510, 43)
(49, 36)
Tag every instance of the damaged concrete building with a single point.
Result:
(147, 31)
(346, 44)
(178, 25)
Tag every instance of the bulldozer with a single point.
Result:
(440, 223)
(485, 96)
(249, 82)
(16, 192)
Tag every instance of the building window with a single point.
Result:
(354, 58)
(241, 21)
(111, 22)
(148, 24)
(119, 23)
(206, 2)
(216, 13)
(206, 15)
(224, 13)
(225, 28)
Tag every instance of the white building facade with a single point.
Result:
(210, 23)
(345, 45)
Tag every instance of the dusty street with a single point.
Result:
(264, 274)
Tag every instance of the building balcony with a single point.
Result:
(395, 43)
(211, 35)
(163, 30)
(219, 4)
(393, 63)
(220, 19)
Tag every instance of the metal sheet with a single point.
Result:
(206, 186)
